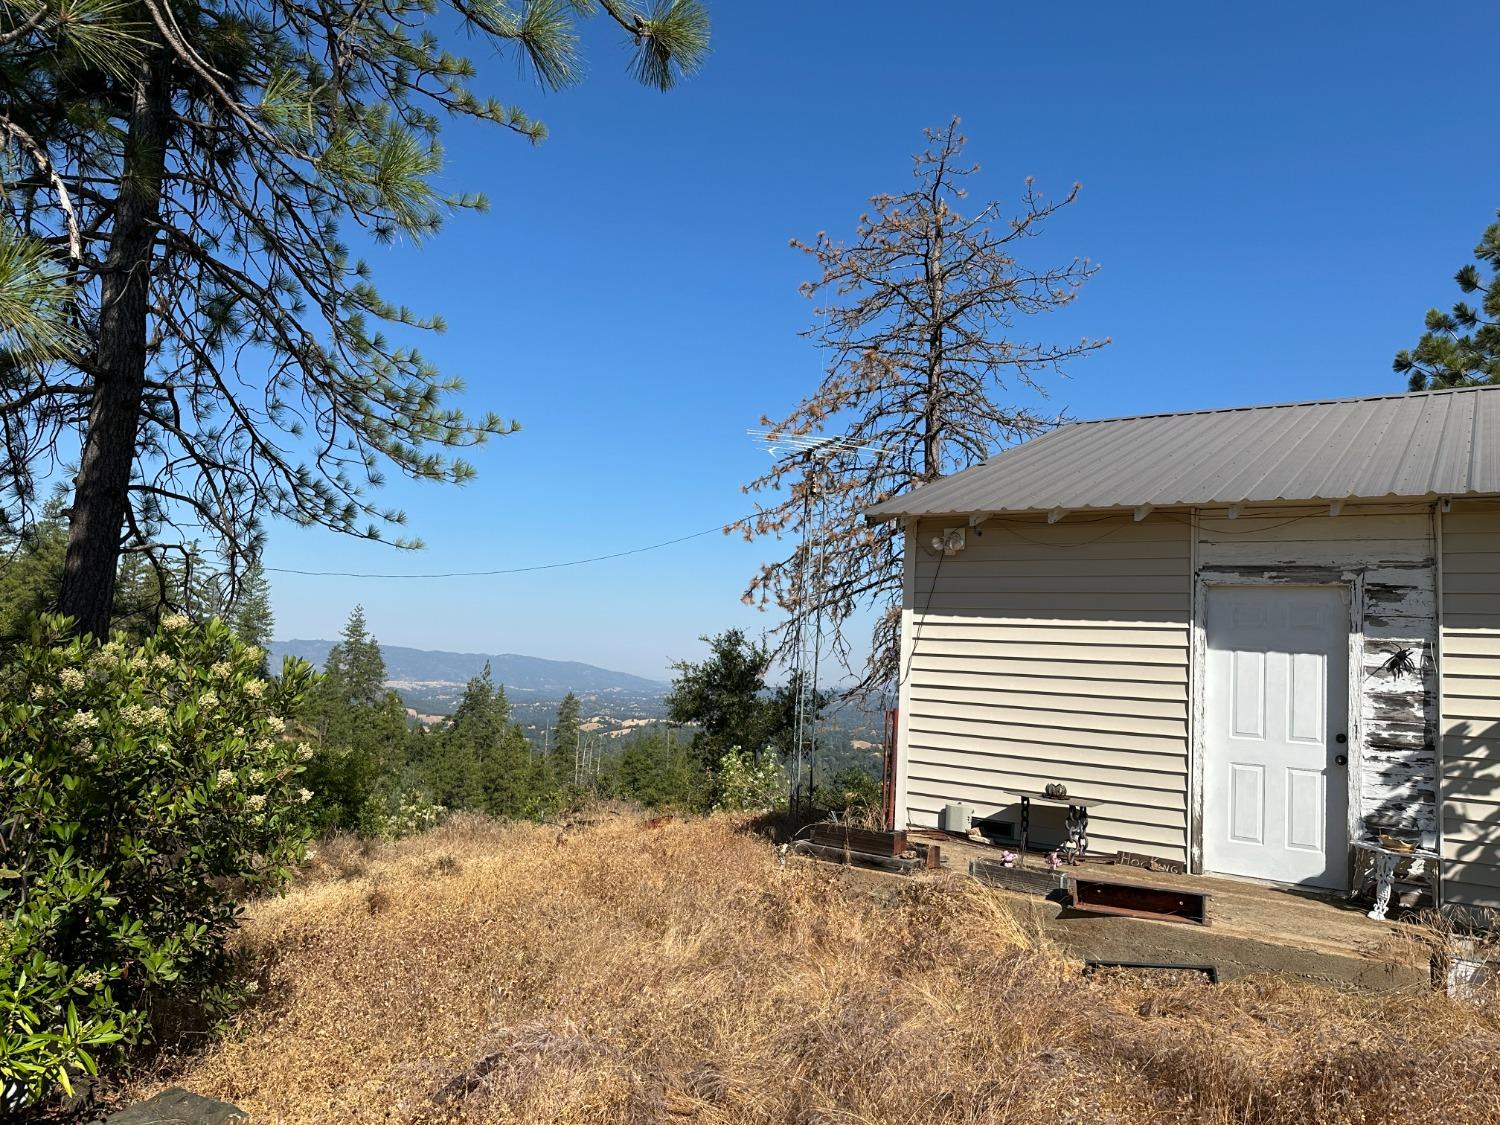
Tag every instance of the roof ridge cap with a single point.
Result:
(1283, 405)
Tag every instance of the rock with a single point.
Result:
(178, 1107)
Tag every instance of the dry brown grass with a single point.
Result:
(486, 973)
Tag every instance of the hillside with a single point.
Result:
(488, 973)
(432, 680)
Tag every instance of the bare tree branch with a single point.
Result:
(917, 319)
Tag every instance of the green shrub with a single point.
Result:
(744, 784)
(143, 792)
(406, 814)
(852, 792)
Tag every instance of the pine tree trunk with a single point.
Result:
(102, 488)
(932, 423)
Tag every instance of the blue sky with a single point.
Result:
(1275, 194)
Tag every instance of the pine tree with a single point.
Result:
(567, 738)
(250, 613)
(184, 314)
(1461, 348)
(918, 319)
(360, 731)
(32, 559)
(354, 670)
(480, 760)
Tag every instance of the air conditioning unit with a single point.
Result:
(956, 818)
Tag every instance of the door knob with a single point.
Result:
(1341, 759)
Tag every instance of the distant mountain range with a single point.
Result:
(521, 675)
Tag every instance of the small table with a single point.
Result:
(1385, 861)
(1078, 818)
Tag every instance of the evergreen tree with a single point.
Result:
(480, 760)
(1461, 348)
(360, 732)
(250, 610)
(726, 697)
(659, 772)
(567, 738)
(354, 671)
(918, 319)
(187, 318)
(32, 558)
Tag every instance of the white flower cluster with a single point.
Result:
(82, 720)
(225, 778)
(71, 678)
(107, 658)
(134, 715)
(175, 622)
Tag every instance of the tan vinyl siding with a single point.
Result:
(1054, 652)
(1471, 705)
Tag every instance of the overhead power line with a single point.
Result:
(512, 569)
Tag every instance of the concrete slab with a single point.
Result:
(1254, 928)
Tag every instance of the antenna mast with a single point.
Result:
(810, 587)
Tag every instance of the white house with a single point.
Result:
(1255, 637)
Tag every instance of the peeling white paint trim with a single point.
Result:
(1437, 659)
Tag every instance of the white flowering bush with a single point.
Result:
(746, 785)
(143, 791)
(409, 814)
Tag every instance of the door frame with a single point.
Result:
(1352, 581)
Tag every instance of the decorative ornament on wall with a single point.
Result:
(1401, 662)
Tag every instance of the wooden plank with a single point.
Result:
(865, 859)
(1149, 863)
(1139, 900)
(875, 841)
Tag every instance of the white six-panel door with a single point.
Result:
(1275, 796)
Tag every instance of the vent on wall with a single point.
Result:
(997, 829)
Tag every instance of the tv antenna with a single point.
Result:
(810, 585)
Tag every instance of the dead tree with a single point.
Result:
(918, 317)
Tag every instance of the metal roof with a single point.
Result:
(1423, 444)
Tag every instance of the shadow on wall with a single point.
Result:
(1471, 812)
